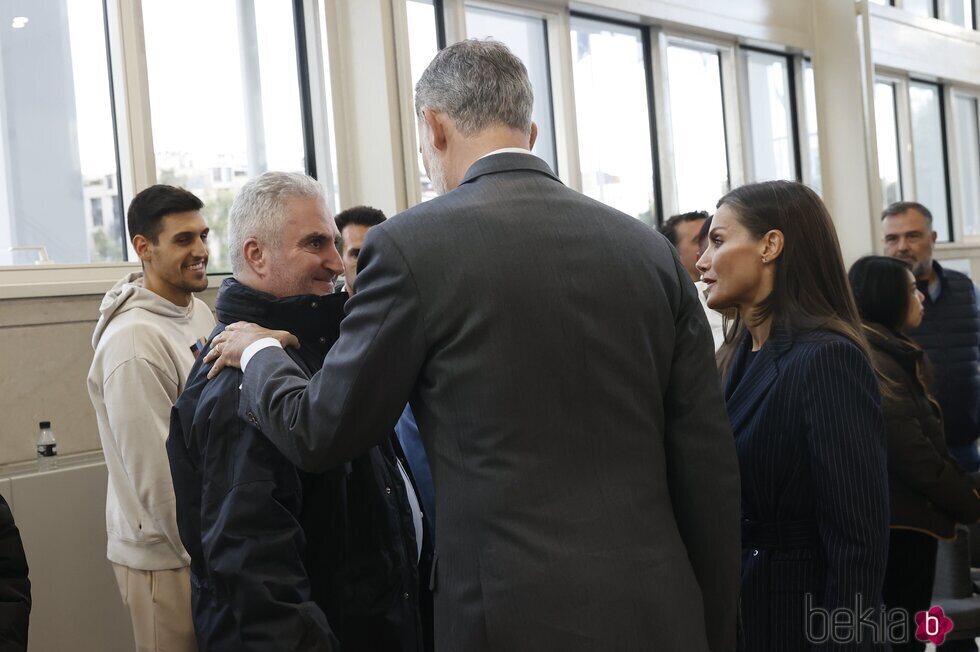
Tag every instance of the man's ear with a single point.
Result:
(255, 257)
(142, 247)
(534, 135)
(436, 128)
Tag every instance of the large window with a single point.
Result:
(57, 154)
(608, 62)
(929, 153)
(770, 125)
(968, 158)
(225, 99)
(886, 132)
(527, 37)
(423, 41)
(697, 125)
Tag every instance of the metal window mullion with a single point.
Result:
(319, 107)
(131, 98)
(665, 137)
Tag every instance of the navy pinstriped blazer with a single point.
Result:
(810, 436)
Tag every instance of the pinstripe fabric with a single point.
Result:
(811, 444)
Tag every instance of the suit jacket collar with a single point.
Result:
(507, 162)
(757, 378)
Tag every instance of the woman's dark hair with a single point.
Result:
(811, 290)
(881, 290)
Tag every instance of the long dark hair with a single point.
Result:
(881, 290)
(811, 290)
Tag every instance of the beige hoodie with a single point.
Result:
(142, 358)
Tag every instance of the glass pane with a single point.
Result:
(929, 154)
(959, 12)
(58, 186)
(610, 79)
(813, 141)
(527, 38)
(920, 7)
(423, 44)
(697, 123)
(968, 147)
(225, 103)
(881, 2)
(770, 117)
(886, 132)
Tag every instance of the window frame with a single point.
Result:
(954, 138)
(728, 69)
(647, 40)
(794, 80)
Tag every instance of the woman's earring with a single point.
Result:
(765, 260)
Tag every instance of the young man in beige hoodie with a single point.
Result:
(146, 341)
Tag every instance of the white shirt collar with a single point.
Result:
(509, 150)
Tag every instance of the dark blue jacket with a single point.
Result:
(281, 559)
(950, 336)
(810, 437)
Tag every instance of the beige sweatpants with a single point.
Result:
(159, 604)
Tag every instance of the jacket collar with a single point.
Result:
(507, 162)
(308, 317)
(758, 377)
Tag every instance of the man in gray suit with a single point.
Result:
(560, 367)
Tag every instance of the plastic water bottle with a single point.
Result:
(47, 448)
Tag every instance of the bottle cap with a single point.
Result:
(45, 424)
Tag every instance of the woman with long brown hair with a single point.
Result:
(930, 492)
(804, 405)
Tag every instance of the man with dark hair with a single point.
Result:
(682, 231)
(353, 224)
(950, 329)
(685, 232)
(150, 331)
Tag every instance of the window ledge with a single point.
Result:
(34, 281)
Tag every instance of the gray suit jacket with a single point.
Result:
(561, 370)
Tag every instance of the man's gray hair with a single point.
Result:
(259, 210)
(478, 83)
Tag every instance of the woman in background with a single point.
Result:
(930, 493)
(804, 406)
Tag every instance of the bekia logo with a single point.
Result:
(932, 626)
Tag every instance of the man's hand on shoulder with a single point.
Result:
(228, 346)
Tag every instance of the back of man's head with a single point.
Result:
(365, 216)
(902, 207)
(669, 228)
(260, 210)
(478, 83)
(150, 206)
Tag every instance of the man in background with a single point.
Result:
(354, 224)
(684, 232)
(950, 329)
(148, 336)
